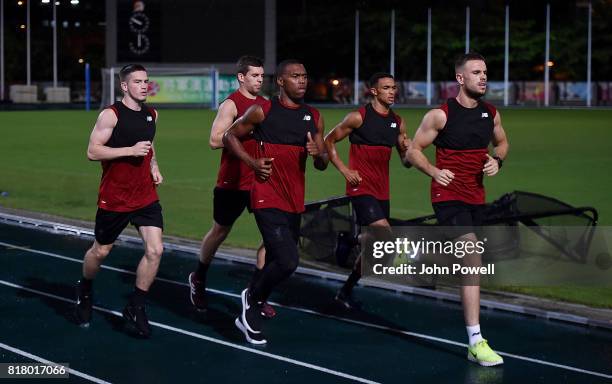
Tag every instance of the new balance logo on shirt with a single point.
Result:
(307, 117)
(484, 114)
(393, 125)
(149, 118)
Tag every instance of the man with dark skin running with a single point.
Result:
(287, 131)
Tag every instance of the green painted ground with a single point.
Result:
(561, 153)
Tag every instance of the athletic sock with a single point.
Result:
(255, 277)
(138, 297)
(200, 273)
(474, 335)
(85, 284)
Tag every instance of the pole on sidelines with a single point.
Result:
(111, 84)
(214, 76)
(87, 88)
(546, 68)
(356, 81)
(1, 49)
(428, 91)
(507, 57)
(29, 62)
(54, 44)
(392, 58)
(589, 40)
(467, 29)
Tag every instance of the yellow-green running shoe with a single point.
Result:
(482, 354)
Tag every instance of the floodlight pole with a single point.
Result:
(54, 44)
(589, 41)
(356, 83)
(507, 57)
(111, 85)
(87, 88)
(467, 29)
(392, 58)
(1, 49)
(546, 68)
(428, 91)
(28, 54)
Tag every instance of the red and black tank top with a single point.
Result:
(370, 152)
(127, 184)
(462, 147)
(234, 173)
(282, 136)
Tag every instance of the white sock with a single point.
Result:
(474, 335)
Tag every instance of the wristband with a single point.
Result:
(500, 162)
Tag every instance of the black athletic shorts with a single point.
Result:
(465, 217)
(228, 205)
(109, 224)
(369, 209)
(277, 227)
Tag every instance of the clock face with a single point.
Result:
(140, 44)
(139, 22)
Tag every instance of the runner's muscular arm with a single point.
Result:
(240, 128)
(316, 147)
(432, 123)
(402, 145)
(102, 131)
(351, 121)
(223, 120)
(500, 147)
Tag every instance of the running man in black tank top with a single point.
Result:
(231, 195)
(287, 133)
(373, 131)
(122, 140)
(462, 130)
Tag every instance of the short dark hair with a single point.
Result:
(128, 69)
(465, 57)
(247, 61)
(280, 68)
(373, 82)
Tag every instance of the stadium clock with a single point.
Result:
(140, 44)
(139, 22)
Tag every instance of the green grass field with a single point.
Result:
(561, 153)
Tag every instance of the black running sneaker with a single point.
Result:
(136, 318)
(197, 293)
(84, 305)
(249, 321)
(346, 301)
